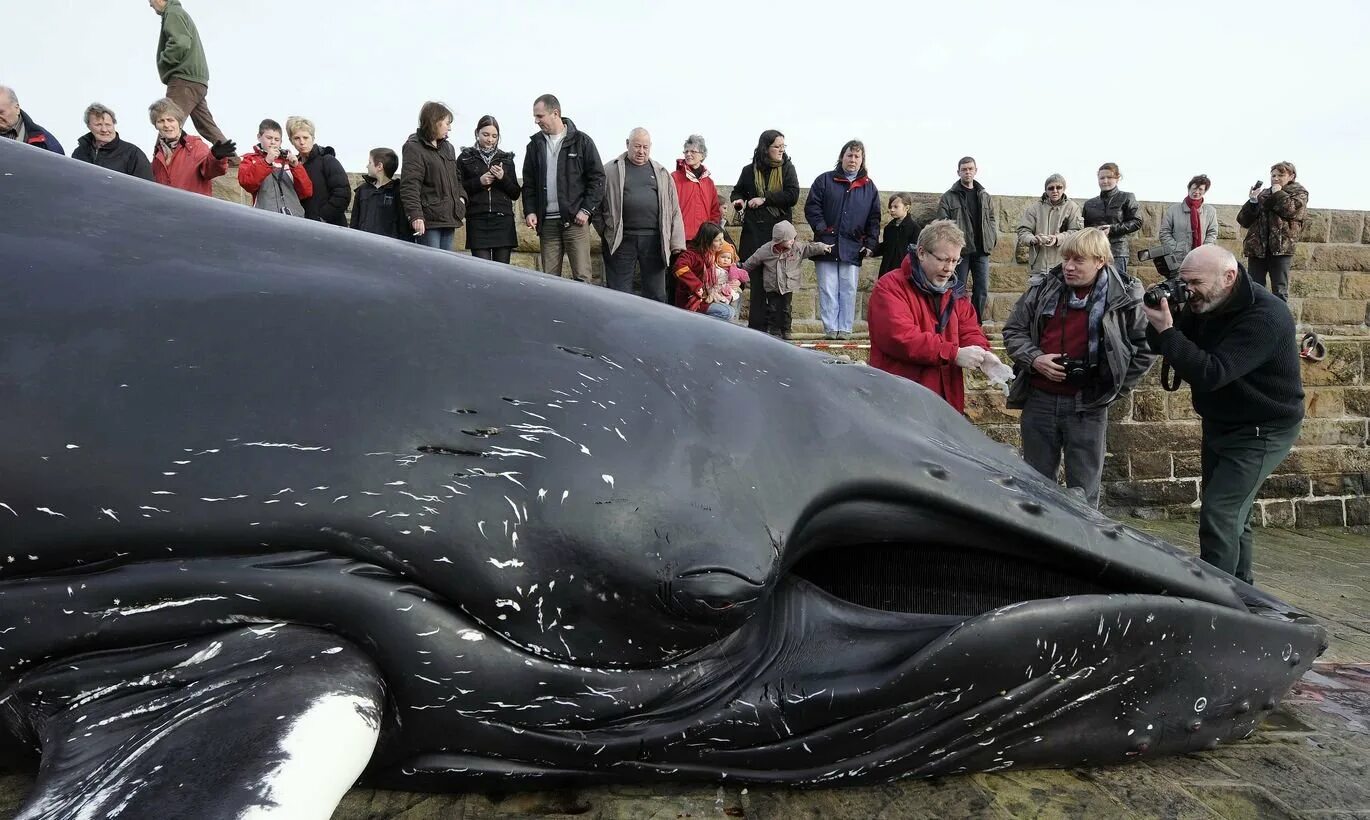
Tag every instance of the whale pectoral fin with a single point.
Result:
(275, 720)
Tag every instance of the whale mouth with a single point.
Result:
(904, 558)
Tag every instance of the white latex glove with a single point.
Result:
(969, 357)
(999, 374)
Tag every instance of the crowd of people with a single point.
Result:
(1079, 338)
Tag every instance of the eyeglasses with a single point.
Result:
(950, 262)
(694, 151)
(1056, 187)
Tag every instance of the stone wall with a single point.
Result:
(1152, 467)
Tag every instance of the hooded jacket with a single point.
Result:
(1124, 354)
(1274, 221)
(580, 174)
(191, 167)
(952, 206)
(277, 187)
(698, 197)
(430, 187)
(500, 196)
(609, 219)
(845, 214)
(117, 155)
(1059, 220)
(332, 189)
(905, 339)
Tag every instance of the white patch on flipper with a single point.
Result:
(208, 653)
(325, 751)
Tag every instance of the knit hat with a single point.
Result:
(729, 249)
(783, 232)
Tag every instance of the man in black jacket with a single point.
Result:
(1115, 212)
(968, 204)
(1234, 344)
(102, 146)
(563, 184)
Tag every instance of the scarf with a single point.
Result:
(1095, 302)
(168, 146)
(934, 293)
(773, 180)
(488, 156)
(1196, 232)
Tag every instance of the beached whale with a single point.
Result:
(282, 505)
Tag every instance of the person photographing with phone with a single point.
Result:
(1234, 344)
(1077, 339)
(1273, 219)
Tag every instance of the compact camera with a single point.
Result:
(1174, 291)
(1078, 371)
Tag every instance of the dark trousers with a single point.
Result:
(494, 254)
(776, 312)
(1051, 427)
(638, 252)
(756, 306)
(1277, 267)
(190, 98)
(1235, 460)
(975, 265)
(1120, 265)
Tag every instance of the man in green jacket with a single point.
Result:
(182, 66)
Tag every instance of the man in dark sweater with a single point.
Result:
(1234, 344)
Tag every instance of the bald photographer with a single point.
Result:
(1234, 344)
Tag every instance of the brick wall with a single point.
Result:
(1152, 467)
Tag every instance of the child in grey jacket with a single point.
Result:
(779, 261)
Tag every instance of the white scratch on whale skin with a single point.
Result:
(73, 446)
(208, 653)
(162, 492)
(503, 602)
(426, 634)
(513, 562)
(178, 602)
(50, 512)
(608, 479)
(8, 507)
(109, 513)
(470, 635)
(301, 447)
(564, 495)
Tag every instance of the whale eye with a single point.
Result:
(710, 593)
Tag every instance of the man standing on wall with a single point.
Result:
(1115, 213)
(183, 68)
(1234, 344)
(563, 183)
(968, 204)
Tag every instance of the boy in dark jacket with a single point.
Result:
(376, 203)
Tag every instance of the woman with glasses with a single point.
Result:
(843, 209)
(1047, 224)
(766, 193)
(695, 189)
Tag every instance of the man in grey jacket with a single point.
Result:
(639, 219)
(968, 204)
(1077, 339)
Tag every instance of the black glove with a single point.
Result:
(224, 150)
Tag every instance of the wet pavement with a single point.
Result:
(1311, 759)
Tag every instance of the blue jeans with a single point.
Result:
(440, 238)
(837, 295)
(976, 266)
(718, 310)
(1120, 265)
(1052, 427)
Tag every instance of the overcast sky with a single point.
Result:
(1166, 89)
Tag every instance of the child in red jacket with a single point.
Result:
(277, 180)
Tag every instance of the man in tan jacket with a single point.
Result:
(639, 220)
(1047, 224)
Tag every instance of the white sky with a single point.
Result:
(1167, 89)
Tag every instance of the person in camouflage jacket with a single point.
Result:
(1273, 219)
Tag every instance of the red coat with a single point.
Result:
(255, 169)
(191, 167)
(905, 341)
(698, 198)
(691, 269)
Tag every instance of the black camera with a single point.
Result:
(1174, 291)
(1078, 371)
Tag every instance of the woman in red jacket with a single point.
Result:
(695, 188)
(922, 326)
(183, 160)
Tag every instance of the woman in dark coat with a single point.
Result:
(492, 187)
(430, 188)
(766, 193)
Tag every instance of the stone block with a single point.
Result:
(1341, 257)
(1357, 512)
(804, 305)
(1007, 434)
(1227, 221)
(1326, 460)
(1115, 467)
(1278, 513)
(1357, 401)
(1178, 405)
(1340, 484)
(1323, 311)
(1151, 465)
(1120, 411)
(1000, 305)
(1148, 405)
(1284, 486)
(1008, 278)
(1316, 226)
(987, 407)
(1153, 493)
(1347, 226)
(1188, 465)
(1168, 436)
(1355, 285)
(1327, 432)
(1365, 232)
(526, 260)
(1323, 402)
(1316, 284)
(1303, 256)
(1320, 513)
(1343, 365)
